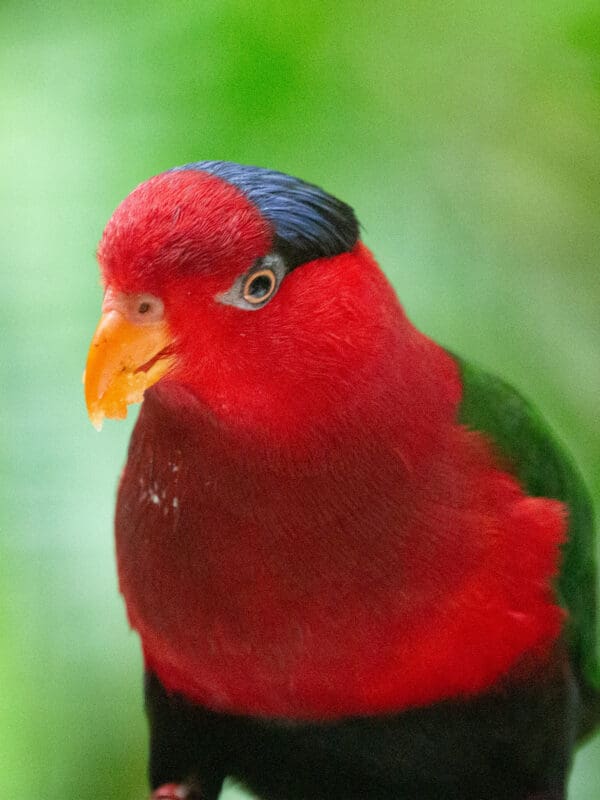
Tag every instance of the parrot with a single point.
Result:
(359, 565)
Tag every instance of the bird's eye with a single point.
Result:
(253, 290)
(259, 286)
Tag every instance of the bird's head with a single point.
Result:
(246, 286)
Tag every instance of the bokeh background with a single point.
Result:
(465, 134)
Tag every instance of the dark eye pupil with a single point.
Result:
(260, 286)
(143, 308)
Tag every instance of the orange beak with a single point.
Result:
(123, 361)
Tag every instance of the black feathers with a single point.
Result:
(308, 222)
(509, 743)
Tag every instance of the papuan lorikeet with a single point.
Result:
(359, 566)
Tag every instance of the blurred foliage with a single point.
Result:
(467, 137)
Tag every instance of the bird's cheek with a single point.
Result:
(124, 360)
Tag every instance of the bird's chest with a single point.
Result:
(317, 593)
(244, 580)
(241, 542)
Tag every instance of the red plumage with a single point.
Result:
(301, 534)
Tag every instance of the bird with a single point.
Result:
(359, 565)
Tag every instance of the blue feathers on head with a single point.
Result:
(308, 222)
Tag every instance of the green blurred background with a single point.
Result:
(465, 134)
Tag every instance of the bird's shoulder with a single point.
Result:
(531, 451)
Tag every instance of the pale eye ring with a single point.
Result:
(259, 286)
(252, 290)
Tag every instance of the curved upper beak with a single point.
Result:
(123, 361)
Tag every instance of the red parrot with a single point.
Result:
(359, 566)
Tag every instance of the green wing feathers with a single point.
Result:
(545, 470)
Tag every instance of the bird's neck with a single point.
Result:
(333, 359)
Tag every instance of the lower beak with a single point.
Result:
(123, 361)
